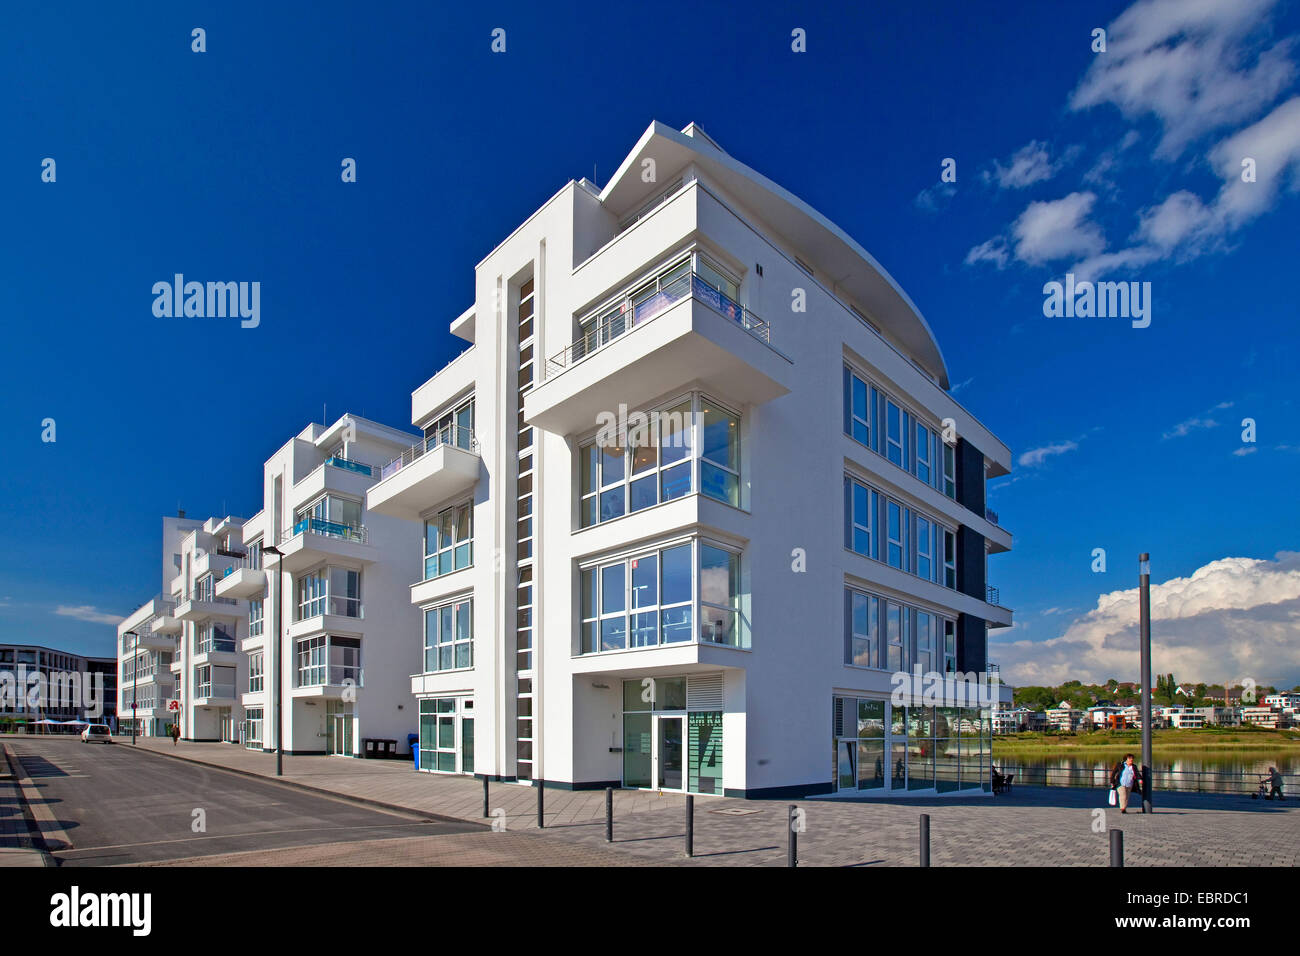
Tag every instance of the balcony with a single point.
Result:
(686, 332)
(214, 695)
(331, 681)
(200, 606)
(426, 474)
(242, 581)
(314, 540)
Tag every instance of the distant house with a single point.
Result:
(1219, 716)
(1065, 717)
(1261, 716)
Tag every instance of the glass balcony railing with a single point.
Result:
(630, 314)
(457, 435)
(361, 468)
(330, 529)
(216, 645)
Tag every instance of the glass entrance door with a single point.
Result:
(338, 734)
(669, 752)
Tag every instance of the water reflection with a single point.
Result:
(1207, 773)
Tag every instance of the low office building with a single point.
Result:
(695, 502)
(324, 591)
(40, 683)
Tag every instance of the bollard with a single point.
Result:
(486, 812)
(541, 804)
(792, 837)
(1116, 847)
(609, 814)
(925, 839)
(690, 825)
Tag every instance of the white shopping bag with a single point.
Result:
(1114, 798)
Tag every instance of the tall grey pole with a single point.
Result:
(279, 665)
(1144, 626)
(135, 683)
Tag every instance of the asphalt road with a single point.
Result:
(121, 807)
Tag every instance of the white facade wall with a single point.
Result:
(778, 692)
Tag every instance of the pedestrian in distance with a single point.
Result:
(1124, 780)
(175, 733)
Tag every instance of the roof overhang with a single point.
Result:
(838, 258)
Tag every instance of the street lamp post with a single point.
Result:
(135, 683)
(279, 658)
(1144, 639)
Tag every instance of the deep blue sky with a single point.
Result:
(225, 165)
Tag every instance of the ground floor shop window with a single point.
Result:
(881, 746)
(447, 735)
(670, 742)
(253, 718)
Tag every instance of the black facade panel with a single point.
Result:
(970, 563)
(970, 476)
(972, 644)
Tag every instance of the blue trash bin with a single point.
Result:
(413, 741)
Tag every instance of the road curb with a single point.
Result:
(423, 815)
(36, 833)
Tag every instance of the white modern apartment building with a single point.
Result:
(695, 493)
(329, 616)
(208, 629)
(148, 643)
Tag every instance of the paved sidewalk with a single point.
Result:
(1052, 826)
(396, 784)
(16, 845)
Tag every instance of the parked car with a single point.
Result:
(97, 734)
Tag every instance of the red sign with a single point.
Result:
(173, 705)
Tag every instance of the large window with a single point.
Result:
(330, 515)
(329, 590)
(253, 721)
(910, 541)
(654, 459)
(912, 636)
(210, 637)
(448, 541)
(311, 653)
(651, 598)
(877, 421)
(256, 616)
(448, 636)
(256, 673)
(454, 427)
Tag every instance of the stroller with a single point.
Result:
(1265, 792)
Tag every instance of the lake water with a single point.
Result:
(1230, 773)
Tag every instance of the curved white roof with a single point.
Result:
(836, 255)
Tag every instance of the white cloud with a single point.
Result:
(1197, 422)
(960, 385)
(994, 251)
(86, 612)
(1231, 619)
(935, 198)
(1057, 229)
(1030, 164)
(1196, 65)
(1245, 450)
(1036, 456)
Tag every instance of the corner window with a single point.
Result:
(448, 636)
(448, 544)
(651, 598)
(651, 457)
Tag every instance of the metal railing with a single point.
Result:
(1194, 781)
(991, 516)
(333, 675)
(992, 595)
(209, 598)
(360, 467)
(631, 314)
(216, 645)
(330, 529)
(457, 435)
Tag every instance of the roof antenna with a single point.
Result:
(594, 181)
